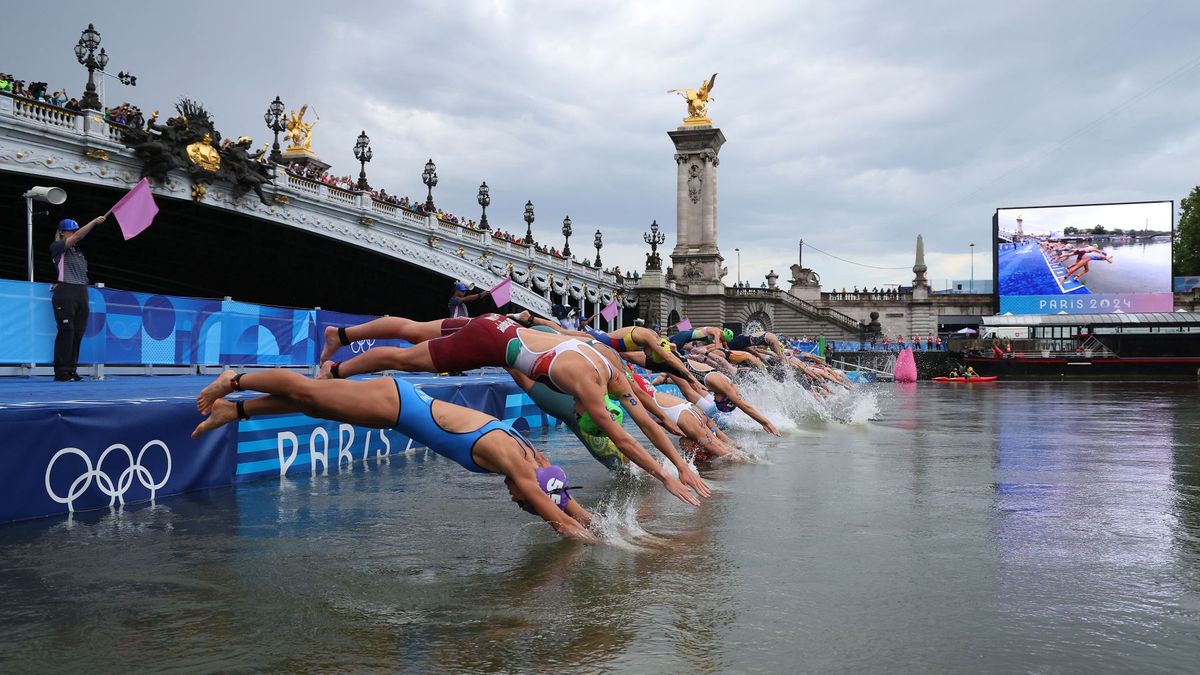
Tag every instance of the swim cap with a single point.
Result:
(588, 425)
(728, 334)
(553, 481)
(707, 406)
(68, 224)
(726, 405)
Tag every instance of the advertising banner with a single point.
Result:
(1084, 259)
(87, 456)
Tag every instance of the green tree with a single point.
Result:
(1070, 229)
(1187, 236)
(1099, 229)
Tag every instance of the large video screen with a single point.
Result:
(1087, 259)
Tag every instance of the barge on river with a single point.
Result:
(1097, 346)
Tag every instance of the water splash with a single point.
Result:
(797, 410)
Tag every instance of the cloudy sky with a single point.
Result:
(853, 125)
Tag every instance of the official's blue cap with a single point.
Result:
(460, 287)
(68, 224)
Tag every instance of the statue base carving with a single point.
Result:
(699, 122)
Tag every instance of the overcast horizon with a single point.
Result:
(855, 127)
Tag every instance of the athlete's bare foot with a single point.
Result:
(326, 372)
(216, 390)
(223, 412)
(332, 343)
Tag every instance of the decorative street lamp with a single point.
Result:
(485, 199)
(529, 222)
(85, 53)
(655, 239)
(972, 268)
(566, 230)
(739, 252)
(598, 242)
(274, 119)
(362, 152)
(429, 177)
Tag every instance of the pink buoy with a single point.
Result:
(906, 367)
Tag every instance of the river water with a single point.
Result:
(1015, 527)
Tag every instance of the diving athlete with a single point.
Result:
(478, 442)
(565, 364)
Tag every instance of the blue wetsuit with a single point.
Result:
(415, 420)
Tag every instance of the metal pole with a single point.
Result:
(972, 269)
(29, 231)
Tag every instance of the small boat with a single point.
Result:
(977, 378)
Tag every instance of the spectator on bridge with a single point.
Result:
(937, 342)
(70, 296)
(458, 301)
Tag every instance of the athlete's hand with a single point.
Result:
(770, 428)
(574, 530)
(693, 480)
(679, 490)
(672, 428)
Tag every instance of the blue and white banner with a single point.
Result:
(83, 456)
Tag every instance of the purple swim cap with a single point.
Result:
(726, 405)
(553, 481)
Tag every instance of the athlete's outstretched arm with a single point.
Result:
(593, 402)
(730, 391)
(619, 387)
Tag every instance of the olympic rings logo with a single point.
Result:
(360, 346)
(103, 480)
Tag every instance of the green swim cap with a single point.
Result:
(588, 425)
(728, 334)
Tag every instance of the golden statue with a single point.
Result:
(299, 132)
(697, 102)
(203, 154)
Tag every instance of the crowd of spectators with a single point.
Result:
(125, 114)
(867, 294)
(37, 91)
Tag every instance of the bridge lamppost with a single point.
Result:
(85, 53)
(484, 197)
(429, 178)
(655, 239)
(363, 153)
(529, 222)
(275, 122)
(972, 268)
(738, 251)
(566, 230)
(598, 242)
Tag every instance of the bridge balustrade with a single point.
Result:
(46, 114)
(383, 207)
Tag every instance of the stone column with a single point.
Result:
(696, 257)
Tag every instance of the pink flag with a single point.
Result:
(684, 325)
(610, 311)
(136, 210)
(502, 293)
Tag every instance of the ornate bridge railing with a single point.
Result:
(844, 321)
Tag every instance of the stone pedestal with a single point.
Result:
(304, 159)
(696, 258)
